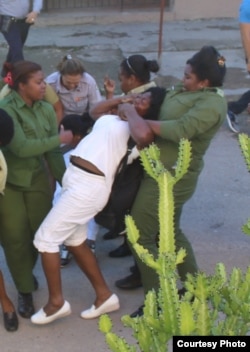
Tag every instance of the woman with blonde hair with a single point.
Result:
(76, 88)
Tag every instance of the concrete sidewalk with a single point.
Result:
(212, 218)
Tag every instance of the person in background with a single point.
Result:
(16, 17)
(76, 88)
(6, 133)
(243, 103)
(32, 154)
(193, 110)
(244, 21)
(78, 92)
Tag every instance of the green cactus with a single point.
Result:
(213, 304)
(244, 142)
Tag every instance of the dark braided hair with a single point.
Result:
(140, 67)
(209, 64)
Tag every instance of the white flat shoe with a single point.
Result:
(41, 318)
(110, 305)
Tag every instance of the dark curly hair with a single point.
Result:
(157, 97)
(77, 124)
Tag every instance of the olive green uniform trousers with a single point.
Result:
(145, 215)
(26, 207)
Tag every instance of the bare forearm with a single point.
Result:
(104, 107)
(154, 126)
(141, 133)
(245, 30)
(140, 130)
(58, 107)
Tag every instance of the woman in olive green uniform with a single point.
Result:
(28, 194)
(194, 110)
(6, 133)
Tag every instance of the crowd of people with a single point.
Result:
(39, 114)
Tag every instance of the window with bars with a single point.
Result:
(105, 4)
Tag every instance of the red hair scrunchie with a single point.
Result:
(8, 79)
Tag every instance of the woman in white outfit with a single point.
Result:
(86, 188)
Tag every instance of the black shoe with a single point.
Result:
(25, 305)
(110, 235)
(138, 312)
(10, 321)
(129, 282)
(122, 251)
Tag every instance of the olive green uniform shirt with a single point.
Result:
(195, 116)
(36, 137)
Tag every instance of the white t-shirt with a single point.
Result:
(105, 145)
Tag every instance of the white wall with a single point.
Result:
(195, 9)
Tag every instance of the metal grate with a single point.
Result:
(104, 4)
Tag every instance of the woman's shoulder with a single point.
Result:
(50, 94)
(212, 94)
(86, 77)
(53, 77)
(10, 99)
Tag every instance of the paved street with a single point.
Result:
(212, 218)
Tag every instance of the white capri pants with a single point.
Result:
(83, 196)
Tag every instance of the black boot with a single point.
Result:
(25, 305)
(116, 231)
(132, 281)
(129, 282)
(122, 251)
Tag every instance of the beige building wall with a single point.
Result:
(179, 10)
(196, 9)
